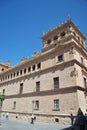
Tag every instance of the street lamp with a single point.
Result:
(32, 117)
(32, 107)
(2, 97)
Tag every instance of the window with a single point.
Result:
(82, 42)
(14, 105)
(56, 82)
(25, 71)
(60, 58)
(8, 76)
(29, 69)
(36, 104)
(62, 34)
(17, 73)
(74, 33)
(20, 72)
(56, 120)
(38, 65)
(33, 68)
(21, 84)
(1, 79)
(38, 86)
(55, 37)
(2, 69)
(49, 41)
(78, 38)
(11, 75)
(21, 88)
(82, 60)
(56, 104)
(85, 83)
(3, 91)
(14, 74)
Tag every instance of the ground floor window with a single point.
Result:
(37, 104)
(14, 105)
(56, 103)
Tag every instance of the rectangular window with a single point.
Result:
(38, 65)
(3, 91)
(21, 88)
(85, 83)
(17, 73)
(33, 67)
(82, 60)
(36, 104)
(56, 104)
(20, 72)
(56, 82)
(38, 86)
(29, 69)
(60, 58)
(14, 105)
(25, 71)
(21, 84)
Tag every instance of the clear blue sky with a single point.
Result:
(22, 23)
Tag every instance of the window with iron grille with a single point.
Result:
(14, 105)
(56, 104)
(38, 86)
(56, 82)
(37, 104)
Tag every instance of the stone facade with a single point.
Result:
(53, 83)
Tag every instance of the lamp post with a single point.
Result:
(2, 97)
(32, 117)
(32, 107)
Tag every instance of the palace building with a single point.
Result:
(51, 84)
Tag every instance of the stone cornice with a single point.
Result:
(45, 54)
(52, 67)
(48, 92)
(39, 114)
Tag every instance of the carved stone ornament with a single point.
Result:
(72, 51)
(74, 73)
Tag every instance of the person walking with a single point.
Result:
(7, 116)
(32, 119)
(72, 120)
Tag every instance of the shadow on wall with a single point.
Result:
(79, 122)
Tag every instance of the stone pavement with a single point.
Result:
(15, 124)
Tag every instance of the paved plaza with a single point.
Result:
(15, 124)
